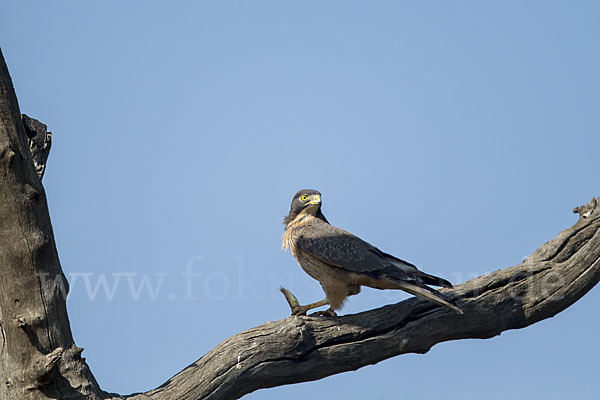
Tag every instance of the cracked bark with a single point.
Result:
(39, 359)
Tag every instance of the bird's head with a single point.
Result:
(306, 201)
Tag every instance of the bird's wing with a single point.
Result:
(337, 247)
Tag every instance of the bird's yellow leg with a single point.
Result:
(301, 310)
(297, 309)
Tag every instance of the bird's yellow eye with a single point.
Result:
(304, 198)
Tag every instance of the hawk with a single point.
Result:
(342, 262)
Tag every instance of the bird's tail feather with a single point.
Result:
(427, 293)
(433, 280)
(421, 276)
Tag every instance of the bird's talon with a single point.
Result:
(326, 313)
(299, 310)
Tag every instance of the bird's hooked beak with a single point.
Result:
(315, 200)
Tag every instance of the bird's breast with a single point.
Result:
(292, 232)
(315, 268)
(288, 240)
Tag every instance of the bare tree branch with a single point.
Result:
(300, 349)
(39, 360)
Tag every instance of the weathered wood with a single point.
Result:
(39, 360)
(33, 315)
(40, 141)
(299, 349)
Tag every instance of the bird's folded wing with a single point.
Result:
(339, 248)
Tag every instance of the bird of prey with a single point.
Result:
(342, 262)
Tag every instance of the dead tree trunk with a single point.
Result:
(39, 359)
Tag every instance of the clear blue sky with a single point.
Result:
(455, 134)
